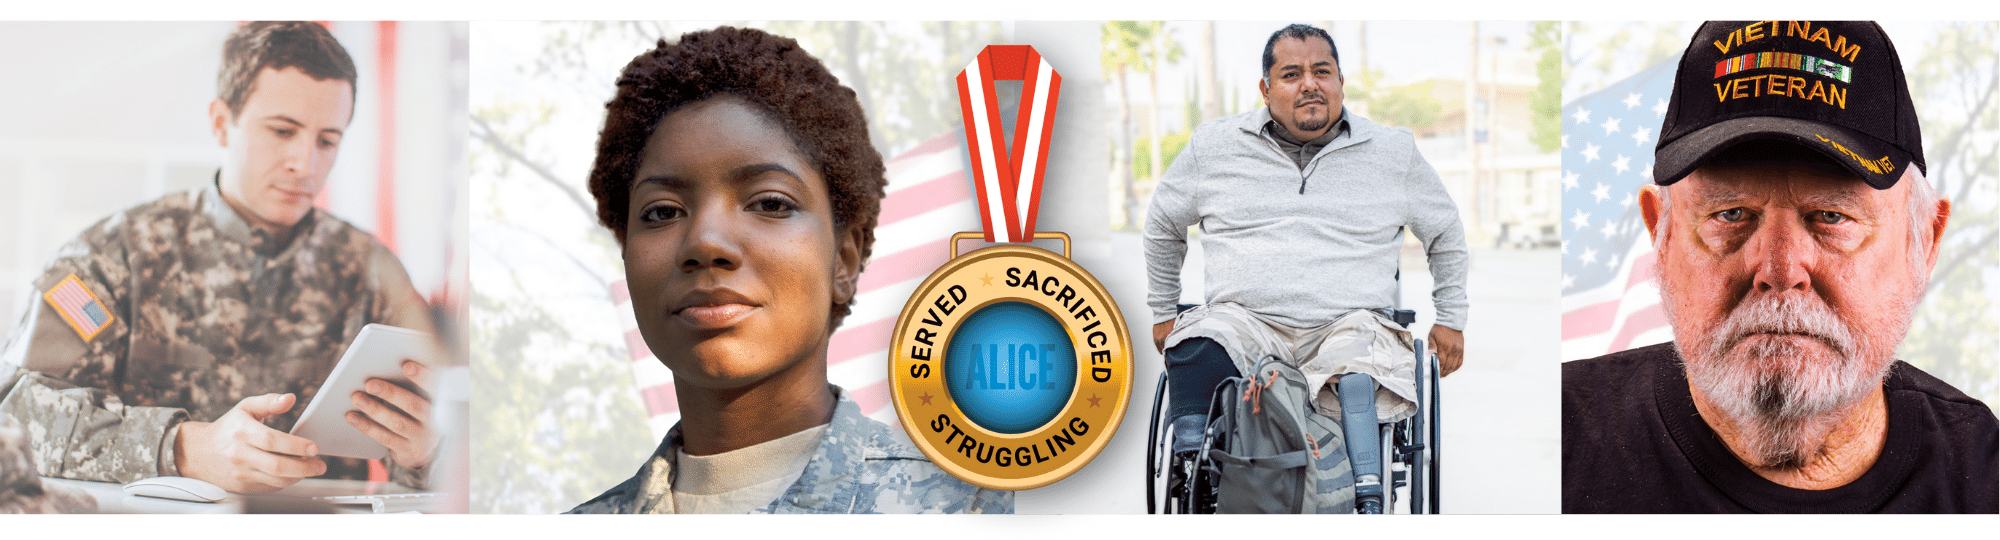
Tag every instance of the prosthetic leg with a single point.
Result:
(1364, 444)
(1194, 367)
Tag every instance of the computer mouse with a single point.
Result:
(179, 488)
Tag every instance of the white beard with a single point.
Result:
(1784, 396)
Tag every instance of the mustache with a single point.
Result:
(1307, 99)
(1798, 315)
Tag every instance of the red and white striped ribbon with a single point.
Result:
(1009, 182)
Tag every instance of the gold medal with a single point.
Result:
(1011, 365)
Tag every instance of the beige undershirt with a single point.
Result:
(745, 479)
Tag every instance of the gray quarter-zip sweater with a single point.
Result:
(1302, 246)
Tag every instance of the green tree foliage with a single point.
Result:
(1545, 102)
(1412, 106)
(904, 71)
(1597, 54)
(1191, 111)
(551, 395)
(1121, 42)
(558, 430)
(1956, 85)
(1170, 148)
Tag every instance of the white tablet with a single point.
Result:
(377, 352)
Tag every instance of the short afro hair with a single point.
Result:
(793, 90)
(279, 45)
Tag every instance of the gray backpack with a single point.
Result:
(1273, 453)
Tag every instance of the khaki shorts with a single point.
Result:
(1361, 341)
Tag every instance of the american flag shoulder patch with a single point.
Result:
(79, 307)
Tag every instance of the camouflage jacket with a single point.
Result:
(861, 467)
(177, 309)
(21, 491)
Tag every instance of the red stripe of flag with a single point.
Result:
(941, 143)
(67, 294)
(659, 399)
(71, 298)
(637, 344)
(1642, 269)
(64, 293)
(931, 195)
(916, 261)
(871, 397)
(853, 341)
(1638, 322)
(1588, 320)
(1598, 318)
(620, 293)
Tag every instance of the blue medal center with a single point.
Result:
(1010, 367)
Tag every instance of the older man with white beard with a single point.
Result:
(1795, 233)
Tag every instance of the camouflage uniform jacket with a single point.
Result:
(861, 467)
(21, 492)
(204, 310)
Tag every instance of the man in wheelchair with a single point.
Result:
(1302, 207)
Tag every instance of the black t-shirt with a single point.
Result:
(1633, 443)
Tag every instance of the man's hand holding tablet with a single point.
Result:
(376, 391)
(397, 417)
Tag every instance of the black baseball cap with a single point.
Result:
(1836, 87)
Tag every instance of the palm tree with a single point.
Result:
(1162, 50)
(1119, 55)
(1210, 90)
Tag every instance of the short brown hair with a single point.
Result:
(787, 85)
(279, 45)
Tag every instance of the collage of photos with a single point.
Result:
(1036, 267)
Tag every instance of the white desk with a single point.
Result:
(112, 499)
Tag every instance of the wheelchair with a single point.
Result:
(1405, 467)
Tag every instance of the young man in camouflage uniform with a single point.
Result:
(181, 336)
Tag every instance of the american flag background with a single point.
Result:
(1610, 299)
(929, 199)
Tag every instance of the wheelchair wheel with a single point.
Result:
(1185, 479)
(1154, 467)
(1436, 444)
(1419, 455)
(1422, 441)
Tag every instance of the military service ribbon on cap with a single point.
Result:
(1010, 366)
(1786, 60)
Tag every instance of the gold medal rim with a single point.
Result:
(1083, 456)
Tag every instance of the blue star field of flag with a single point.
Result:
(1607, 145)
